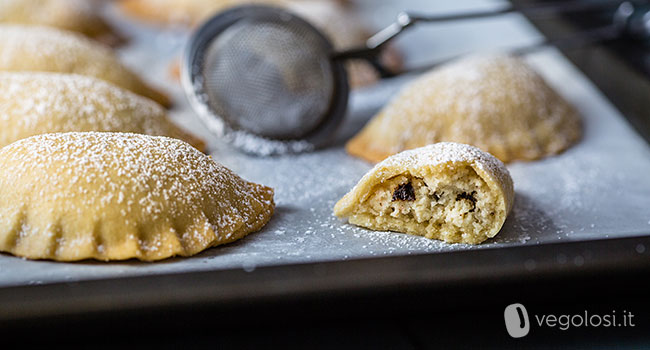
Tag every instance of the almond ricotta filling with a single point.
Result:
(455, 205)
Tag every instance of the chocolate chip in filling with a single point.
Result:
(470, 197)
(404, 192)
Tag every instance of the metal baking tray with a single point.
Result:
(595, 192)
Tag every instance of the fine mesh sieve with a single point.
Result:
(263, 78)
(269, 82)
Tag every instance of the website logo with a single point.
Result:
(517, 322)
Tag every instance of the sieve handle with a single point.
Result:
(628, 20)
(406, 20)
(601, 34)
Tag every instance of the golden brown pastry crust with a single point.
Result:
(73, 15)
(190, 12)
(46, 49)
(494, 102)
(34, 103)
(116, 196)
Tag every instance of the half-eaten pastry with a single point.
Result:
(448, 191)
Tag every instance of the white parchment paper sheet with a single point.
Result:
(597, 189)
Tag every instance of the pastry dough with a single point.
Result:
(335, 18)
(183, 11)
(448, 191)
(115, 196)
(52, 50)
(73, 15)
(495, 102)
(33, 103)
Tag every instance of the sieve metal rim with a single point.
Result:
(192, 72)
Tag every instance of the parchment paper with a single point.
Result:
(599, 188)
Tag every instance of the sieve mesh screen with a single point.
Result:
(272, 78)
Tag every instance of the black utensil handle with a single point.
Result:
(624, 20)
(555, 7)
(406, 20)
(587, 37)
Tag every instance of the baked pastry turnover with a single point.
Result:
(33, 103)
(183, 11)
(448, 191)
(74, 15)
(115, 196)
(51, 50)
(495, 102)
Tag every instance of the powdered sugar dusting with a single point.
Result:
(495, 102)
(414, 161)
(308, 185)
(76, 15)
(27, 48)
(80, 12)
(35, 103)
(446, 152)
(50, 43)
(120, 177)
(243, 140)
